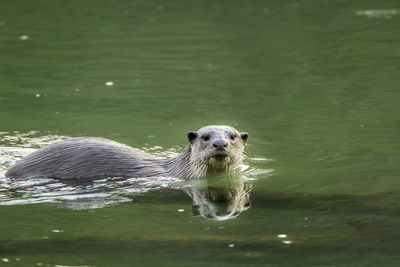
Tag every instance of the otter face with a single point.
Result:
(219, 147)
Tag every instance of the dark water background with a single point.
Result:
(315, 83)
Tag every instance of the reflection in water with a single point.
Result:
(219, 198)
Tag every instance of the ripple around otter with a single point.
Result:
(75, 195)
(82, 194)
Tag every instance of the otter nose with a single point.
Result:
(220, 144)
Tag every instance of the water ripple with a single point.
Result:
(77, 195)
(378, 13)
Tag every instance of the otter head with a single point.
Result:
(217, 147)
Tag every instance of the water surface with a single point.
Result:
(314, 83)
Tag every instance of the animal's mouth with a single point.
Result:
(220, 157)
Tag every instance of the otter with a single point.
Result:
(211, 150)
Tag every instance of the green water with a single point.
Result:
(314, 83)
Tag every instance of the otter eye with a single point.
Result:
(233, 137)
(205, 138)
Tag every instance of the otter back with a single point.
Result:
(88, 158)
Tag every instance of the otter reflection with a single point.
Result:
(219, 198)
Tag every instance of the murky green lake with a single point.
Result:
(314, 83)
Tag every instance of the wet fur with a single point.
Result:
(96, 158)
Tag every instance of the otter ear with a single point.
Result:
(192, 136)
(244, 136)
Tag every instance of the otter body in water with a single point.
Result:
(212, 149)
